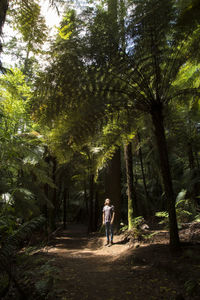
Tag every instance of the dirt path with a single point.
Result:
(89, 270)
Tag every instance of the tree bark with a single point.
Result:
(96, 210)
(3, 12)
(65, 196)
(190, 156)
(86, 198)
(157, 118)
(25, 69)
(114, 29)
(122, 14)
(54, 211)
(197, 159)
(91, 204)
(113, 185)
(132, 197)
(45, 209)
(143, 174)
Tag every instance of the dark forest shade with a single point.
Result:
(113, 185)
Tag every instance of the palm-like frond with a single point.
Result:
(15, 241)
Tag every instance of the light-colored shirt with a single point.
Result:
(108, 211)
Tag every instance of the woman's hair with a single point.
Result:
(107, 200)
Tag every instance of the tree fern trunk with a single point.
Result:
(132, 198)
(157, 118)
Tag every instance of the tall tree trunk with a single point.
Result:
(113, 185)
(26, 60)
(197, 159)
(190, 155)
(114, 32)
(91, 204)
(112, 8)
(132, 197)
(65, 197)
(143, 174)
(45, 209)
(86, 198)
(3, 11)
(194, 172)
(122, 26)
(96, 210)
(54, 210)
(157, 118)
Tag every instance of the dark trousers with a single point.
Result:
(109, 231)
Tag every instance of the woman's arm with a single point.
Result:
(103, 218)
(113, 217)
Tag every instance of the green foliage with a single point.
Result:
(43, 274)
(35, 273)
(14, 241)
(124, 228)
(8, 221)
(94, 90)
(192, 287)
(29, 22)
(15, 96)
(4, 282)
(149, 236)
(197, 218)
(137, 222)
(13, 244)
(185, 210)
(108, 65)
(189, 15)
(24, 172)
(68, 25)
(164, 215)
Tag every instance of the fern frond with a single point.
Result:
(14, 242)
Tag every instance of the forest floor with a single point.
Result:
(145, 270)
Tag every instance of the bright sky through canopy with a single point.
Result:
(51, 15)
(52, 18)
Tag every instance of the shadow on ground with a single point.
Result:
(88, 270)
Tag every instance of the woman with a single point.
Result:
(108, 219)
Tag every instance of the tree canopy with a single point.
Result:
(107, 108)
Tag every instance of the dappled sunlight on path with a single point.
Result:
(77, 243)
(86, 266)
(89, 270)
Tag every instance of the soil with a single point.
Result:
(141, 270)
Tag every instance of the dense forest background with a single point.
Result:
(110, 108)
